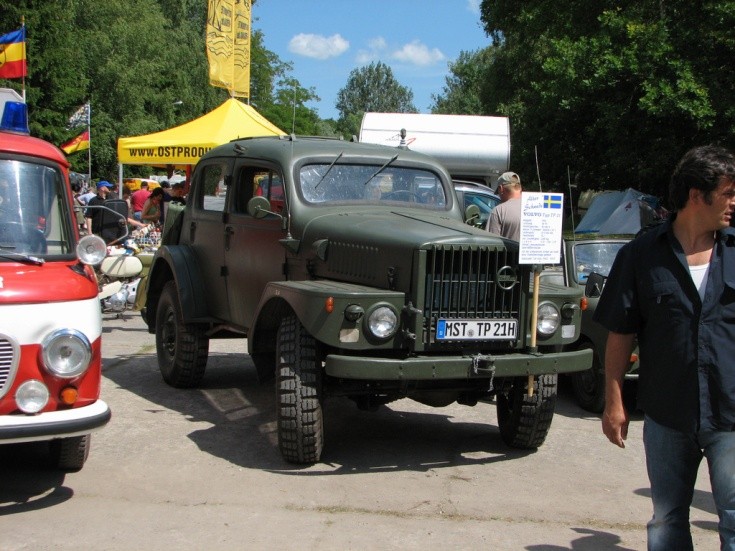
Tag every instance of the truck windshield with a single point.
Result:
(34, 213)
(371, 184)
(595, 257)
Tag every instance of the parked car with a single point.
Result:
(586, 263)
(473, 193)
(354, 276)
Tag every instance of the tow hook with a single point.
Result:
(483, 364)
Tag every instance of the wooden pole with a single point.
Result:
(534, 319)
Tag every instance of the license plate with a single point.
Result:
(476, 329)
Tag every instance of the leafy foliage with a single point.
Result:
(142, 66)
(614, 91)
(463, 88)
(371, 88)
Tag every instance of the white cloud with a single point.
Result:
(474, 6)
(318, 46)
(417, 53)
(377, 43)
(375, 47)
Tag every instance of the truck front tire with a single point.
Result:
(182, 348)
(299, 388)
(524, 420)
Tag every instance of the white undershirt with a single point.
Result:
(699, 276)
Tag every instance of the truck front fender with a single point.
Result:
(308, 300)
(178, 263)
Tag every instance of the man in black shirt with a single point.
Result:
(94, 216)
(674, 286)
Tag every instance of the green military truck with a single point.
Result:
(348, 268)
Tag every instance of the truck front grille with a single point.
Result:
(470, 282)
(8, 362)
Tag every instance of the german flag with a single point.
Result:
(80, 143)
(13, 54)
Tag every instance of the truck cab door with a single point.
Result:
(253, 255)
(205, 230)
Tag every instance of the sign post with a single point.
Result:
(542, 216)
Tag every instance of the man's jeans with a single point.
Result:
(672, 459)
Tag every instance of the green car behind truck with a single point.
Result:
(348, 268)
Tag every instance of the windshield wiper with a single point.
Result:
(12, 255)
(328, 169)
(381, 169)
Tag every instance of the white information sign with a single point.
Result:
(542, 215)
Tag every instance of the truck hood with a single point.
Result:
(401, 228)
(379, 249)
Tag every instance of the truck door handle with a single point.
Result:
(229, 232)
(192, 231)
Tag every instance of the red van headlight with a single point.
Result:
(66, 353)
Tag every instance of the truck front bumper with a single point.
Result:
(456, 367)
(18, 428)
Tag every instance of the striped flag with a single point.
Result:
(79, 118)
(80, 143)
(13, 54)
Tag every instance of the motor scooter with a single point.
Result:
(118, 281)
(118, 275)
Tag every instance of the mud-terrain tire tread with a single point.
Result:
(524, 421)
(182, 349)
(298, 389)
(70, 454)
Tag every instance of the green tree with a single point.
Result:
(142, 65)
(614, 91)
(462, 91)
(371, 88)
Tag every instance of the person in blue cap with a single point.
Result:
(94, 216)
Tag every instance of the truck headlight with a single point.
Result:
(382, 322)
(32, 396)
(548, 319)
(66, 353)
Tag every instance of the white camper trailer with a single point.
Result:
(470, 147)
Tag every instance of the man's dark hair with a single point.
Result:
(701, 168)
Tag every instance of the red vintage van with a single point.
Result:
(50, 318)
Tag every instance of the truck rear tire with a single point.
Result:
(182, 349)
(298, 388)
(70, 454)
(524, 421)
(589, 385)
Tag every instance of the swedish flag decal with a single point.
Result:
(552, 201)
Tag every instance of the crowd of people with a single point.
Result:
(141, 208)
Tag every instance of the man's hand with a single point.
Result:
(617, 360)
(615, 424)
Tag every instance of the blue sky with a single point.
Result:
(325, 40)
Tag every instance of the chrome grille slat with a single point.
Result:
(461, 282)
(7, 363)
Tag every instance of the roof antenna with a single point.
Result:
(293, 118)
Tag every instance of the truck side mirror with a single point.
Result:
(595, 284)
(472, 215)
(260, 207)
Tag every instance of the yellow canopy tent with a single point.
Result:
(185, 144)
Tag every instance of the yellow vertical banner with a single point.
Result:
(228, 45)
